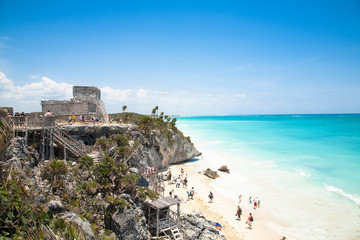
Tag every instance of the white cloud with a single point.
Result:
(240, 95)
(34, 76)
(141, 93)
(28, 97)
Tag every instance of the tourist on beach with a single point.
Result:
(185, 181)
(192, 191)
(182, 172)
(211, 196)
(171, 193)
(258, 204)
(73, 118)
(69, 121)
(240, 198)
(169, 177)
(250, 220)
(188, 195)
(250, 200)
(255, 204)
(238, 213)
(178, 181)
(218, 226)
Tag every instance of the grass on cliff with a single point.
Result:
(164, 124)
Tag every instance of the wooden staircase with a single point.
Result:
(172, 233)
(176, 233)
(74, 146)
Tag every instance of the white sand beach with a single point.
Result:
(222, 209)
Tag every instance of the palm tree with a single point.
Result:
(157, 109)
(124, 108)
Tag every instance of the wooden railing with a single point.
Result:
(76, 147)
(166, 222)
(33, 122)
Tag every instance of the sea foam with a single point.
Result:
(354, 198)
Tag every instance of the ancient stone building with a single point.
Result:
(86, 102)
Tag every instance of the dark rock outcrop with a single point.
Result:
(56, 206)
(211, 174)
(129, 223)
(19, 155)
(224, 169)
(195, 226)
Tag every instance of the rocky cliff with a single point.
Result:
(154, 148)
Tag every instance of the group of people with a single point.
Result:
(181, 179)
(72, 119)
(250, 218)
(254, 201)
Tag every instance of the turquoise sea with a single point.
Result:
(321, 151)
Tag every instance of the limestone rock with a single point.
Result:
(211, 174)
(224, 168)
(84, 225)
(195, 226)
(128, 223)
(134, 170)
(56, 206)
(156, 149)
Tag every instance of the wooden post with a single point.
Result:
(65, 151)
(157, 222)
(43, 144)
(51, 143)
(149, 217)
(26, 130)
(26, 136)
(178, 215)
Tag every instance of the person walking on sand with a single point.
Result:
(188, 195)
(240, 198)
(250, 220)
(250, 200)
(211, 196)
(255, 204)
(258, 204)
(178, 181)
(192, 191)
(238, 213)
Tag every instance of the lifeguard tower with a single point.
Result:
(162, 220)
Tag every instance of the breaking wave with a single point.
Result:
(352, 197)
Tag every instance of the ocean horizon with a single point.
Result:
(287, 159)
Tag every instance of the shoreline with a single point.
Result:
(290, 201)
(222, 209)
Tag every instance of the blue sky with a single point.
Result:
(187, 57)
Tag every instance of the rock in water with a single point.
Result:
(211, 174)
(224, 169)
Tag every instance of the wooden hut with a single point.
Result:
(162, 219)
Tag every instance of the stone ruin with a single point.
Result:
(86, 102)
